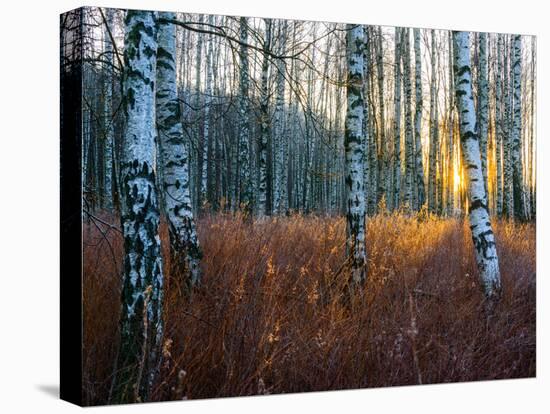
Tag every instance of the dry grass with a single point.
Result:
(269, 316)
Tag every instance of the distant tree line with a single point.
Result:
(262, 108)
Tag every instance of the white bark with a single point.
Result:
(108, 112)
(483, 104)
(383, 144)
(265, 122)
(366, 139)
(517, 158)
(508, 189)
(175, 159)
(420, 191)
(397, 122)
(143, 279)
(206, 121)
(370, 134)
(451, 151)
(499, 124)
(197, 102)
(409, 145)
(480, 224)
(280, 201)
(434, 130)
(353, 143)
(245, 184)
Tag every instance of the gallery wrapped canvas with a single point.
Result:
(256, 206)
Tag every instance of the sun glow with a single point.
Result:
(457, 179)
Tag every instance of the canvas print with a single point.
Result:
(271, 206)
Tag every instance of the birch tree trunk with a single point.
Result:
(434, 131)
(141, 324)
(185, 250)
(499, 124)
(244, 177)
(365, 126)
(353, 143)
(397, 122)
(108, 113)
(280, 204)
(532, 138)
(508, 189)
(372, 154)
(309, 135)
(206, 121)
(383, 158)
(517, 158)
(451, 151)
(409, 144)
(480, 224)
(483, 104)
(198, 104)
(265, 122)
(418, 167)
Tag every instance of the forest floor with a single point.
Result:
(270, 315)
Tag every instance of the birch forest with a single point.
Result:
(277, 206)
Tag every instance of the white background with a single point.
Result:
(29, 206)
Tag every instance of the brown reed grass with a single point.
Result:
(269, 317)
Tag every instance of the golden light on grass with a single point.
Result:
(280, 299)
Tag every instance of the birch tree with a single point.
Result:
(418, 167)
(368, 196)
(480, 223)
(200, 126)
(409, 143)
(280, 203)
(451, 123)
(383, 144)
(483, 104)
(265, 122)
(262, 115)
(109, 130)
(141, 323)
(206, 120)
(245, 184)
(532, 138)
(499, 124)
(434, 130)
(370, 125)
(397, 122)
(508, 188)
(516, 150)
(185, 250)
(353, 145)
